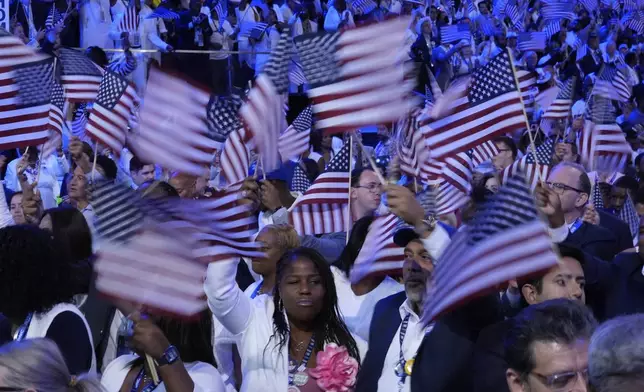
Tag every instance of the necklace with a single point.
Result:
(299, 346)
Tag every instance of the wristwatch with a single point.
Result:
(429, 223)
(170, 356)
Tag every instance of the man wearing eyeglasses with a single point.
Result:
(547, 348)
(571, 183)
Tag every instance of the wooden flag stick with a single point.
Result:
(94, 164)
(39, 164)
(349, 216)
(153, 369)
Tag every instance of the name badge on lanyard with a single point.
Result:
(576, 225)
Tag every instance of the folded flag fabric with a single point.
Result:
(455, 33)
(534, 40)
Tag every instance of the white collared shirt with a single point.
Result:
(413, 337)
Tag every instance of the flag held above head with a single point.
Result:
(81, 78)
(505, 240)
(357, 76)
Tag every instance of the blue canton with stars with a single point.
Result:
(544, 153)
(58, 96)
(35, 82)
(111, 89)
(495, 79)
(317, 56)
(300, 182)
(303, 120)
(340, 162)
(76, 63)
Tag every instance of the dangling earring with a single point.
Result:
(280, 305)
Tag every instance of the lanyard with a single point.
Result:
(22, 331)
(576, 225)
(401, 358)
(257, 289)
(305, 360)
(137, 382)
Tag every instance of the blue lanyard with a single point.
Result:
(137, 382)
(256, 291)
(576, 225)
(305, 360)
(22, 331)
(401, 358)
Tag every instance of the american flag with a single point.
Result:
(491, 107)
(300, 182)
(79, 121)
(448, 198)
(130, 20)
(379, 254)
(111, 112)
(505, 240)
(25, 99)
(603, 145)
(515, 15)
(412, 151)
(635, 21)
(457, 170)
(356, 75)
(162, 13)
(628, 214)
(535, 169)
(364, 6)
(57, 108)
(51, 145)
(172, 130)
(630, 5)
(222, 10)
(612, 84)
(560, 108)
(223, 116)
(14, 51)
(555, 10)
(235, 157)
(296, 74)
(157, 269)
(323, 208)
(80, 76)
(263, 113)
(253, 30)
(223, 224)
(534, 40)
(295, 139)
(596, 198)
(455, 33)
(552, 28)
(54, 18)
(483, 152)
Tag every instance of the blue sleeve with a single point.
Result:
(69, 333)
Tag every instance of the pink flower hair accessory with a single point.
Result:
(336, 370)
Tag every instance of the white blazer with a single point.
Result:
(250, 322)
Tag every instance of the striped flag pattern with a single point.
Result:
(223, 116)
(130, 20)
(157, 269)
(111, 112)
(491, 106)
(412, 151)
(364, 6)
(612, 84)
(628, 214)
(80, 77)
(263, 113)
(603, 144)
(505, 240)
(483, 152)
(253, 30)
(323, 208)
(560, 108)
(79, 121)
(556, 10)
(172, 129)
(296, 74)
(26, 83)
(51, 145)
(295, 139)
(448, 198)
(235, 157)
(534, 40)
(552, 28)
(379, 254)
(162, 13)
(535, 168)
(356, 75)
(589, 5)
(54, 18)
(455, 33)
(597, 199)
(57, 108)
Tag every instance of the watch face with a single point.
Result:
(171, 354)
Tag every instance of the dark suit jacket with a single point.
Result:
(443, 357)
(595, 240)
(384, 324)
(618, 227)
(616, 288)
(488, 365)
(588, 65)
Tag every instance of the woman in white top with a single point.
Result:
(245, 14)
(38, 365)
(464, 62)
(279, 337)
(269, 39)
(36, 294)
(182, 354)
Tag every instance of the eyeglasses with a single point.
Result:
(560, 188)
(561, 381)
(372, 187)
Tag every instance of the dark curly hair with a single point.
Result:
(35, 274)
(330, 328)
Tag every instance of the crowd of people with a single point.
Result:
(293, 319)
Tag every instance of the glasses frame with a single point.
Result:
(551, 379)
(373, 188)
(563, 187)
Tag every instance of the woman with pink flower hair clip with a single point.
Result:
(294, 341)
